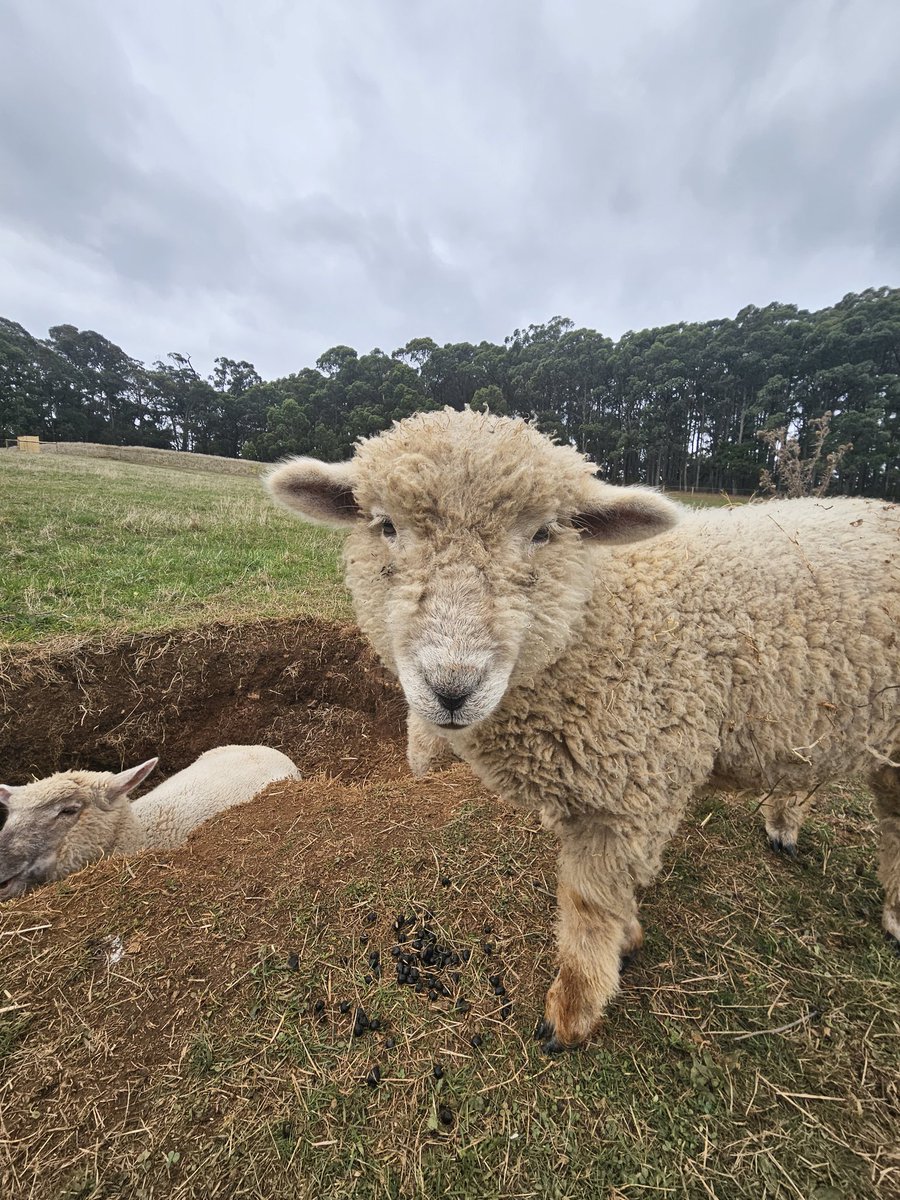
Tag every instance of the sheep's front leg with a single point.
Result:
(426, 750)
(597, 927)
(423, 745)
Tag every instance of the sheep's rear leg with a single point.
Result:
(597, 928)
(784, 816)
(885, 785)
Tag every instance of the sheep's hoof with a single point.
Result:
(573, 1011)
(890, 924)
(419, 766)
(782, 846)
(626, 959)
(634, 940)
(546, 1035)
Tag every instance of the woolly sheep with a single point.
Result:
(58, 825)
(601, 680)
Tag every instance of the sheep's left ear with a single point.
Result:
(125, 781)
(5, 792)
(617, 515)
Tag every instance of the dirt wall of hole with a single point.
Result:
(312, 688)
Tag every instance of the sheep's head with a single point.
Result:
(472, 549)
(36, 819)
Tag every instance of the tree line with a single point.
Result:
(691, 405)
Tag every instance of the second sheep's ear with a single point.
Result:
(618, 515)
(316, 491)
(125, 781)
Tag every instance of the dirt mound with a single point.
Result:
(313, 689)
(120, 981)
(257, 863)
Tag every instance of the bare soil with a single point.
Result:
(313, 689)
(173, 934)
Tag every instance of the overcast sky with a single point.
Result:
(268, 179)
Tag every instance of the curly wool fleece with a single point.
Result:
(603, 679)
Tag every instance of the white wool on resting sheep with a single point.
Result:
(601, 679)
(54, 826)
(218, 780)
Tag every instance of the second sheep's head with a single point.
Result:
(471, 550)
(40, 821)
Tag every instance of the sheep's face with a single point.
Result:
(472, 550)
(36, 819)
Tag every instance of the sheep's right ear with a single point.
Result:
(122, 784)
(317, 491)
(5, 792)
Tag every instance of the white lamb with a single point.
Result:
(603, 683)
(55, 826)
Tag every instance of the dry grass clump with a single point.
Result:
(793, 475)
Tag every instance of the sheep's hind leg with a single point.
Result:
(597, 929)
(784, 815)
(885, 784)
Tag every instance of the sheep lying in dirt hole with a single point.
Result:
(601, 679)
(55, 826)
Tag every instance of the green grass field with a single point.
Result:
(92, 545)
(707, 499)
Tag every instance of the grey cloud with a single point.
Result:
(68, 158)
(804, 146)
(267, 181)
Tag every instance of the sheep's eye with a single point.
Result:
(541, 536)
(69, 811)
(387, 530)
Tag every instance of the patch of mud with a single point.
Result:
(311, 688)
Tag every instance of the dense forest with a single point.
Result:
(682, 406)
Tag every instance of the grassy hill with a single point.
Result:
(96, 545)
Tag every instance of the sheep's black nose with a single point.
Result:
(452, 700)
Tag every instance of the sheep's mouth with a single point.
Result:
(7, 885)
